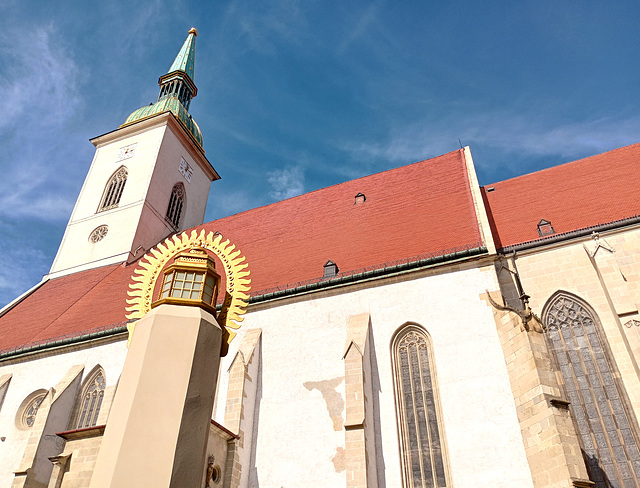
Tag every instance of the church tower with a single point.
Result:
(148, 179)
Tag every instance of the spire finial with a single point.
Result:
(186, 58)
(178, 82)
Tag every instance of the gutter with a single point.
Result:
(569, 235)
(353, 278)
(66, 341)
(366, 275)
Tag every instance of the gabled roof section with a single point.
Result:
(578, 195)
(423, 209)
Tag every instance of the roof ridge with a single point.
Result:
(397, 168)
(561, 165)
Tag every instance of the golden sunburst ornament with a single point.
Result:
(235, 269)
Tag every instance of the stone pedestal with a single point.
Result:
(157, 429)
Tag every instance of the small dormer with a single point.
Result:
(330, 269)
(545, 228)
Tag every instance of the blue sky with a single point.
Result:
(298, 95)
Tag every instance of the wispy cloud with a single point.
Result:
(261, 24)
(510, 135)
(286, 183)
(40, 81)
(41, 96)
(362, 26)
(228, 201)
(19, 262)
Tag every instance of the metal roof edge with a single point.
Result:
(366, 275)
(353, 278)
(60, 342)
(570, 235)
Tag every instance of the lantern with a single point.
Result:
(191, 280)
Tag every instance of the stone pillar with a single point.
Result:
(59, 465)
(550, 439)
(158, 425)
(358, 425)
(240, 408)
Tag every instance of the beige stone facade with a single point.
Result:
(550, 440)
(605, 272)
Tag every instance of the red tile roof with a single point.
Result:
(413, 210)
(584, 193)
(67, 306)
(425, 208)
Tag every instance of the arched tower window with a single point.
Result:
(419, 426)
(598, 401)
(90, 399)
(176, 204)
(113, 190)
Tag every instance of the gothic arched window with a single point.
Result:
(421, 447)
(176, 204)
(113, 190)
(91, 399)
(598, 401)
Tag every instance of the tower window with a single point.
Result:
(176, 204)
(113, 190)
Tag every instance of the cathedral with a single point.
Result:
(409, 328)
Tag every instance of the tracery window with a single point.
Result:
(91, 400)
(419, 426)
(598, 401)
(31, 411)
(26, 416)
(113, 190)
(176, 204)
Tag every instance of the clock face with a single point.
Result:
(126, 152)
(185, 170)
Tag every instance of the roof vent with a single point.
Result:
(545, 228)
(330, 269)
(360, 198)
(491, 188)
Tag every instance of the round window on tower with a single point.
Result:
(98, 234)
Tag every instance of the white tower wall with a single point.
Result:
(159, 145)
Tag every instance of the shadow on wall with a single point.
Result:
(253, 474)
(596, 473)
(375, 387)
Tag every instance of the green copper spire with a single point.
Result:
(176, 91)
(186, 58)
(178, 81)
